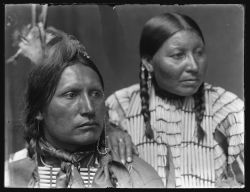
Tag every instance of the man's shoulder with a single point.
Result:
(19, 169)
(19, 155)
(20, 161)
(145, 175)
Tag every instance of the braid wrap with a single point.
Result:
(199, 101)
(145, 102)
(31, 137)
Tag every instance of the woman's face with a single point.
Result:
(74, 117)
(180, 64)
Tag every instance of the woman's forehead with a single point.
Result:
(184, 37)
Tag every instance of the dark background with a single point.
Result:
(111, 36)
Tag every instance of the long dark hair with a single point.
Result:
(155, 32)
(62, 51)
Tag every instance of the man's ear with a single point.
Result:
(147, 64)
(39, 116)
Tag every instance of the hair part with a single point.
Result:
(160, 28)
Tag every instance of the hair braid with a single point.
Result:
(32, 132)
(145, 102)
(199, 100)
(32, 152)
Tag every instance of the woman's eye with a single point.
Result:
(199, 52)
(178, 56)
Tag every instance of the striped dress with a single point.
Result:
(195, 165)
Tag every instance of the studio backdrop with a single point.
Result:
(111, 36)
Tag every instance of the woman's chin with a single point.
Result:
(186, 91)
(188, 88)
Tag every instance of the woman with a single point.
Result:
(65, 127)
(174, 117)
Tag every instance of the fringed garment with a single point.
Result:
(47, 175)
(61, 169)
(218, 161)
(55, 168)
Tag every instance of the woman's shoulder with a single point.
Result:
(124, 93)
(120, 102)
(221, 98)
(144, 175)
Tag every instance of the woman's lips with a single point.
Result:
(190, 81)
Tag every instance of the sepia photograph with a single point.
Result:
(124, 96)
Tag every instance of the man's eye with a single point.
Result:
(97, 94)
(70, 95)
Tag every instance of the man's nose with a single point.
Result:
(86, 106)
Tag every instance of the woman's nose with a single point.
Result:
(86, 106)
(192, 64)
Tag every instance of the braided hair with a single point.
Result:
(199, 107)
(145, 102)
(155, 32)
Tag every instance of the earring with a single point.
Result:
(142, 72)
(102, 143)
(142, 68)
(39, 117)
(149, 81)
(38, 127)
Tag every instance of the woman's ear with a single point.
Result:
(39, 116)
(146, 63)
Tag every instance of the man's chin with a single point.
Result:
(86, 139)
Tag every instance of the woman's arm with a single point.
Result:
(229, 134)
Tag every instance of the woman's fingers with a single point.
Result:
(122, 150)
(108, 143)
(128, 144)
(113, 144)
(135, 150)
(121, 143)
(123, 146)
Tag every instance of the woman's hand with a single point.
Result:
(121, 143)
